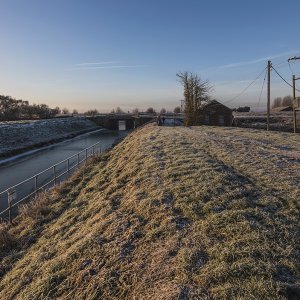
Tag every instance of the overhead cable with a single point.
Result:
(284, 79)
(262, 88)
(245, 89)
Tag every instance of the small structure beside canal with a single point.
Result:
(214, 113)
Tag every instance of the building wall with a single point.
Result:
(217, 118)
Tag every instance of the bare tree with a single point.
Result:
(135, 111)
(56, 110)
(177, 110)
(287, 101)
(150, 110)
(163, 111)
(119, 110)
(196, 91)
(277, 102)
(13, 109)
(92, 112)
(65, 111)
(75, 112)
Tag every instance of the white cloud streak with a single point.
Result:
(101, 65)
(107, 67)
(254, 61)
(96, 63)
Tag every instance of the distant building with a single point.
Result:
(63, 115)
(282, 108)
(214, 113)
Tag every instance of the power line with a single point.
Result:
(262, 88)
(283, 78)
(290, 68)
(292, 71)
(245, 89)
(281, 63)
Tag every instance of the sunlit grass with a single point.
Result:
(169, 213)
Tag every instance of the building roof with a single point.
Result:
(212, 104)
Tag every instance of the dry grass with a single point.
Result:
(169, 213)
(7, 241)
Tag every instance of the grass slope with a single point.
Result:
(169, 213)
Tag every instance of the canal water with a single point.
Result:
(15, 171)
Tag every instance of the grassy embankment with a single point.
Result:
(169, 213)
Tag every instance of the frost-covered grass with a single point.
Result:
(279, 121)
(18, 136)
(169, 213)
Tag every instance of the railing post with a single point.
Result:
(12, 192)
(9, 206)
(54, 175)
(35, 183)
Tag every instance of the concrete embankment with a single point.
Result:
(19, 137)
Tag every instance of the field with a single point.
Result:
(169, 213)
(279, 121)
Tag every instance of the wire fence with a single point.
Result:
(46, 179)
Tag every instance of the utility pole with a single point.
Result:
(269, 94)
(295, 105)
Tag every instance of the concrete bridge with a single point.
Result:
(127, 121)
(121, 121)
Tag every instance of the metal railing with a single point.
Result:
(46, 179)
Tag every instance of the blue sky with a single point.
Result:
(103, 54)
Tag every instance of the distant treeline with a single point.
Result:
(12, 109)
(285, 101)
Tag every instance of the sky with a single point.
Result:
(104, 54)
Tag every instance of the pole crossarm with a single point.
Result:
(294, 58)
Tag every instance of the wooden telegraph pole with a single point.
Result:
(295, 106)
(294, 103)
(269, 94)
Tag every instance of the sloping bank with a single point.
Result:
(169, 213)
(19, 137)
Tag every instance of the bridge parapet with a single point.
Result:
(116, 121)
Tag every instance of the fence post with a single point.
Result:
(9, 206)
(35, 183)
(12, 193)
(68, 166)
(54, 175)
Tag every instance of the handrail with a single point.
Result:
(53, 179)
(40, 173)
(35, 188)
